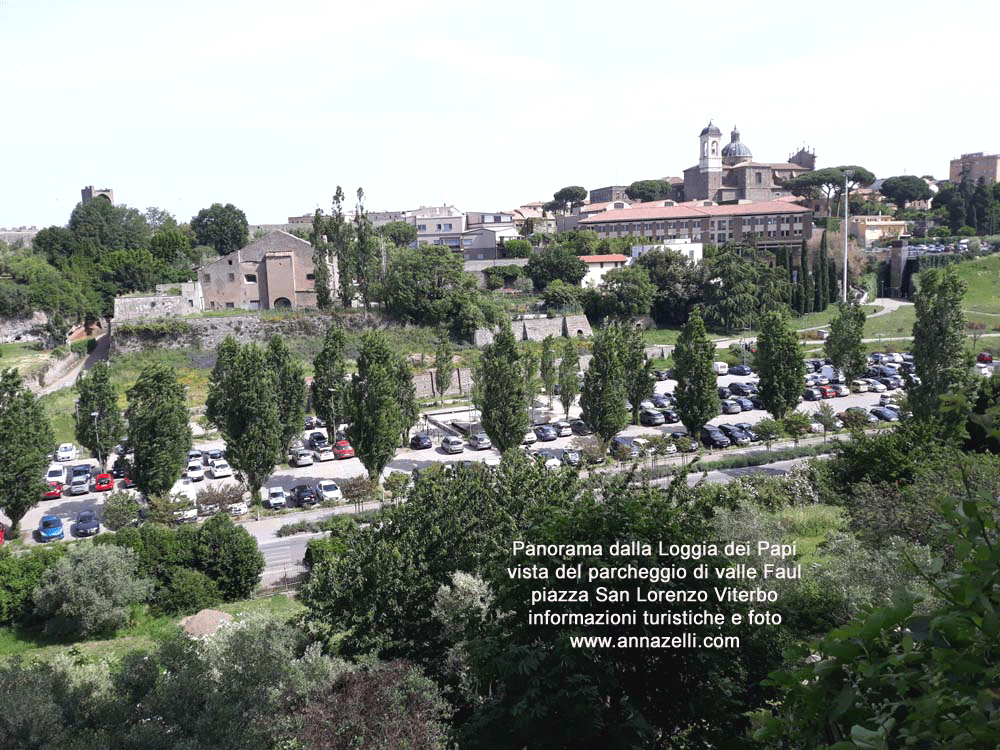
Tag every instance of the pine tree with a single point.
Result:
(443, 367)
(696, 393)
(500, 392)
(806, 282)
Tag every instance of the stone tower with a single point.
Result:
(710, 160)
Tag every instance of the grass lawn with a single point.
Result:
(809, 526)
(899, 323)
(144, 634)
(22, 356)
(983, 277)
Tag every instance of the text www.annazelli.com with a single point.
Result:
(685, 640)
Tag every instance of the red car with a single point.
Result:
(55, 490)
(343, 449)
(103, 483)
(127, 482)
(828, 391)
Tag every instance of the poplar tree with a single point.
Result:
(638, 369)
(340, 235)
(844, 346)
(216, 402)
(547, 367)
(377, 419)
(290, 390)
(779, 364)
(443, 367)
(602, 397)
(98, 396)
(696, 393)
(569, 384)
(329, 384)
(321, 256)
(501, 392)
(158, 430)
(804, 281)
(27, 439)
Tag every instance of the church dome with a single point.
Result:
(711, 129)
(735, 149)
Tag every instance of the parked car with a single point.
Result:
(884, 399)
(745, 403)
(741, 389)
(886, 415)
(624, 446)
(663, 400)
(420, 442)
(220, 468)
(874, 386)
(104, 482)
(127, 482)
(729, 406)
(55, 489)
(812, 394)
(684, 442)
(50, 529)
(742, 370)
(79, 483)
(670, 416)
(758, 403)
(323, 453)
(859, 386)
(329, 490)
(480, 441)
(301, 457)
(735, 434)
(273, 497)
(841, 390)
(317, 440)
(65, 452)
(563, 428)
(304, 495)
(720, 368)
(571, 457)
(195, 455)
(239, 508)
(87, 523)
(984, 358)
(723, 392)
(748, 431)
(545, 432)
(214, 454)
(55, 473)
(452, 444)
(845, 416)
(529, 438)
(651, 418)
(713, 437)
(662, 374)
(580, 427)
(195, 471)
(343, 449)
(827, 391)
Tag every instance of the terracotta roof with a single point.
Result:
(692, 211)
(613, 258)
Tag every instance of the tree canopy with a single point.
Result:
(27, 439)
(501, 392)
(556, 262)
(650, 190)
(696, 394)
(779, 364)
(223, 228)
(904, 189)
(158, 429)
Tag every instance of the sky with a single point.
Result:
(484, 106)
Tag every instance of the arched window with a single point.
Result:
(282, 302)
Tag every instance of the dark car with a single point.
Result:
(670, 416)
(215, 454)
(87, 523)
(304, 495)
(849, 413)
(740, 389)
(545, 433)
(723, 392)
(580, 427)
(663, 400)
(748, 429)
(662, 374)
(713, 437)
(651, 418)
(745, 403)
(119, 468)
(735, 434)
(742, 370)
(624, 446)
(758, 402)
(886, 415)
(420, 442)
(984, 358)
(685, 443)
(317, 440)
(812, 394)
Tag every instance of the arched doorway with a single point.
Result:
(282, 302)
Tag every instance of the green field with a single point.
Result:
(22, 356)
(983, 277)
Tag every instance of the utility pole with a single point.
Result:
(846, 201)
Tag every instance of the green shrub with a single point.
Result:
(186, 591)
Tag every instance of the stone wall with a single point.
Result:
(536, 329)
(23, 329)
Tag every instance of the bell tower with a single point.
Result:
(710, 160)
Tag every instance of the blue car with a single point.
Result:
(50, 529)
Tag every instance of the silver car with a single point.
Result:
(452, 444)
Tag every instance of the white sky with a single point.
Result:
(271, 105)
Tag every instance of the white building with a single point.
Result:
(598, 265)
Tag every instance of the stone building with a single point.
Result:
(975, 165)
(729, 173)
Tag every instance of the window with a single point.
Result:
(230, 305)
(760, 178)
(232, 277)
(439, 227)
(206, 278)
(421, 227)
(251, 278)
(190, 303)
(447, 227)
(310, 277)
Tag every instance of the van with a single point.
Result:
(720, 368)
(832, 374)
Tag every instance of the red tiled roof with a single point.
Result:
(614, 258)
(693, 211)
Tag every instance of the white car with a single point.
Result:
(452, 444)
(841, 390)
(220, 469)
(328, 490)
(273, 497)
(239, 509)
(302, 457)
(56, 473)
(195, 472)
(563, 429)
(324, 453)
(66, 452)
(529, 438)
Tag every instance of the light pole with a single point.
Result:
(97, 436)
(846, 201)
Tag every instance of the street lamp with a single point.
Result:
(97, 435)
(847, 172)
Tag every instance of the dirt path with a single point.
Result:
(70, 376)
